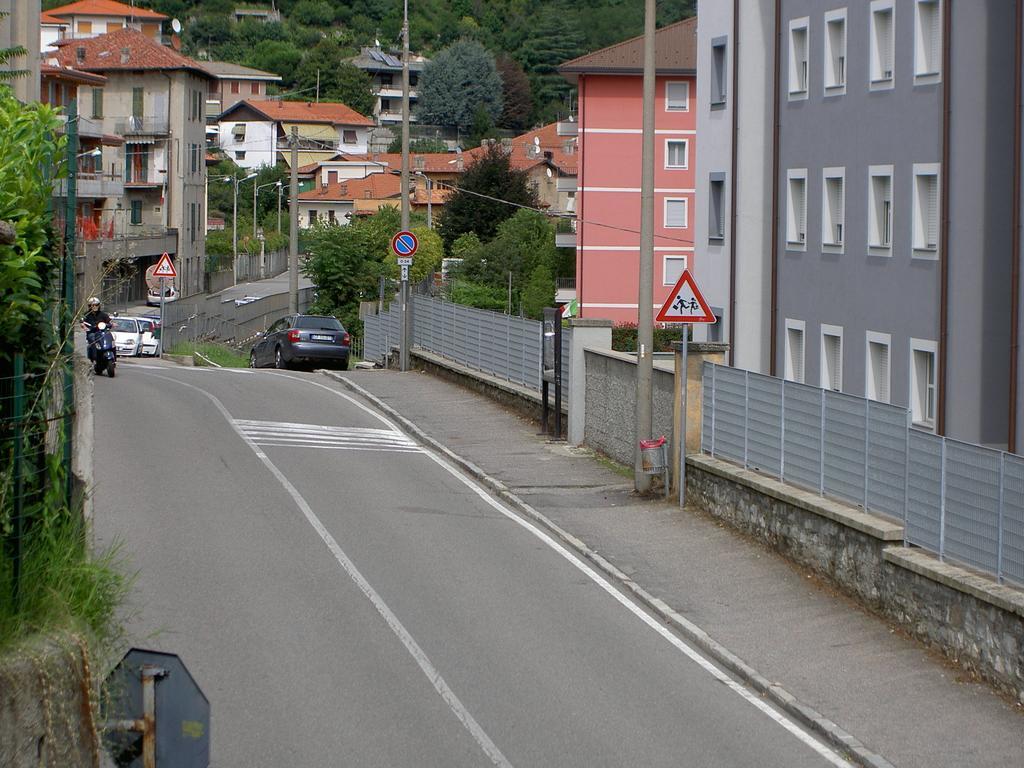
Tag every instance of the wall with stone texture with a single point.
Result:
(974, 621)
(611, 403)
(46, 712)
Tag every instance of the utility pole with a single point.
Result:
(645, 298)
(234, 229)
(280, 187)
(403, 355)
(293, 236)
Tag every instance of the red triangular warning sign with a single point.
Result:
(165, 267)
(686, 304)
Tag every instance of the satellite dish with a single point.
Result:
(176, 26)
(549, 173)
(376, 43)
(536, 141)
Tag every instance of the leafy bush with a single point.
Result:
(480, 296)
(624, 338)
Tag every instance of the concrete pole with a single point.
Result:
(645, 298)
(293, 239)
(234, 230)
(280, 188)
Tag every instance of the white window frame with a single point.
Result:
(834, 331)
(834, 86)
(798, 68)
(828, 241)
(686, 212)
(878, 80)
(870, 391)
(664, 267)
(685, 106)
(923, 73)
(794, 217)
(922, 249)
(875, 221)
(801, 326)
(719, 86)
(914, 402)
(686, 155)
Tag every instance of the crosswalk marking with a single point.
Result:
(283, 434)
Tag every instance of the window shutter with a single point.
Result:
(931, 224)
(800, 203)
(833, 361)
(885, 43)
(796, 353)
(675, 213)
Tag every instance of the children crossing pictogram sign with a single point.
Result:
(165, 267)
(686, 304)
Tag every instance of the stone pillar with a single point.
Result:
(586, 333)
(697, 354)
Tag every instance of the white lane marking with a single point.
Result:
(830, 755)
(283, 434)
(706, 664)
(457, 707)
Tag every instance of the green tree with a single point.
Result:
(538, 293)
(521, 244)
(554, 39)
(313, 13)
(517, 94)
(456, 82)
(486, 188)
(278, 56)
(339, 80)
(427, 260)
(419, 146)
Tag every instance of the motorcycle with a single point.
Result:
(101, 348)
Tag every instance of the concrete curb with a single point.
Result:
(801, 713)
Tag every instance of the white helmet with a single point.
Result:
(93, 300)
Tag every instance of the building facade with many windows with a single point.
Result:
(892, 238)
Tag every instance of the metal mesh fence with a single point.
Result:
(506, 347)
(962, 501)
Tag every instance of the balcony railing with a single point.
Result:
(394, 117)
(395, 92)
(143, 126)
(567, 128)
(565, 233)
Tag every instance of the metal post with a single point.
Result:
(255, 192)
(558, 385)
(403, 351)
(821, 453)
(746, 414)
(280, 187)
(942, 503)
(293, 239)
(906, 483)
(999, 530)
(430, 203)
(68, 308)
(19, 475)
(163, 318)
(682, 417)
(714, 403)
(645, 298)
(867, 447)
(782, 434)
(405, 116)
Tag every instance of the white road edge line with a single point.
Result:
(822, 749)
(421, 658)
(806, 738)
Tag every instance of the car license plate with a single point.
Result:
(320, 337)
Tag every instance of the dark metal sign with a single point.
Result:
(156, 715)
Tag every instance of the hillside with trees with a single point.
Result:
(527, 38)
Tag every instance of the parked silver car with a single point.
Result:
(316, 340)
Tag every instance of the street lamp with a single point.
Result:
(234, 220)
(255, 192)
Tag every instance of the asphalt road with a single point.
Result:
(345, 598)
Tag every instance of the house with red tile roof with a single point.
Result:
(610, 117)
(336, 202)
(89, 18)
(255, 132)
(153, 99)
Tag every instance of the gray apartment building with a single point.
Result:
(892, 237)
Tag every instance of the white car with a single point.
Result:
(150, 340)
(127, 336)
(153, 296)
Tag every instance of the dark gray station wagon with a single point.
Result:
(314, 340)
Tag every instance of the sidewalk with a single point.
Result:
(898, 699)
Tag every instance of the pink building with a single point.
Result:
(610, 124)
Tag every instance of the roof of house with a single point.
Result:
(124, 49)
(104, 8)
(225, 69)
(71, 75)
(427, 162)
(376, 186)
(525, 153)
(332, 113)
(675, 53)
(377, 60)
(48, 18)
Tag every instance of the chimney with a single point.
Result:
(125, 55)
(569, 146)
(80, 54)
(459, 163)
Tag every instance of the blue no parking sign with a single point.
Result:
(404, 243)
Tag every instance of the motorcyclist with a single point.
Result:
(91, 321)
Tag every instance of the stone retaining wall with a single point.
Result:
(974, 621)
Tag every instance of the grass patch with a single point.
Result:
(614, 466)
(221, 354)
